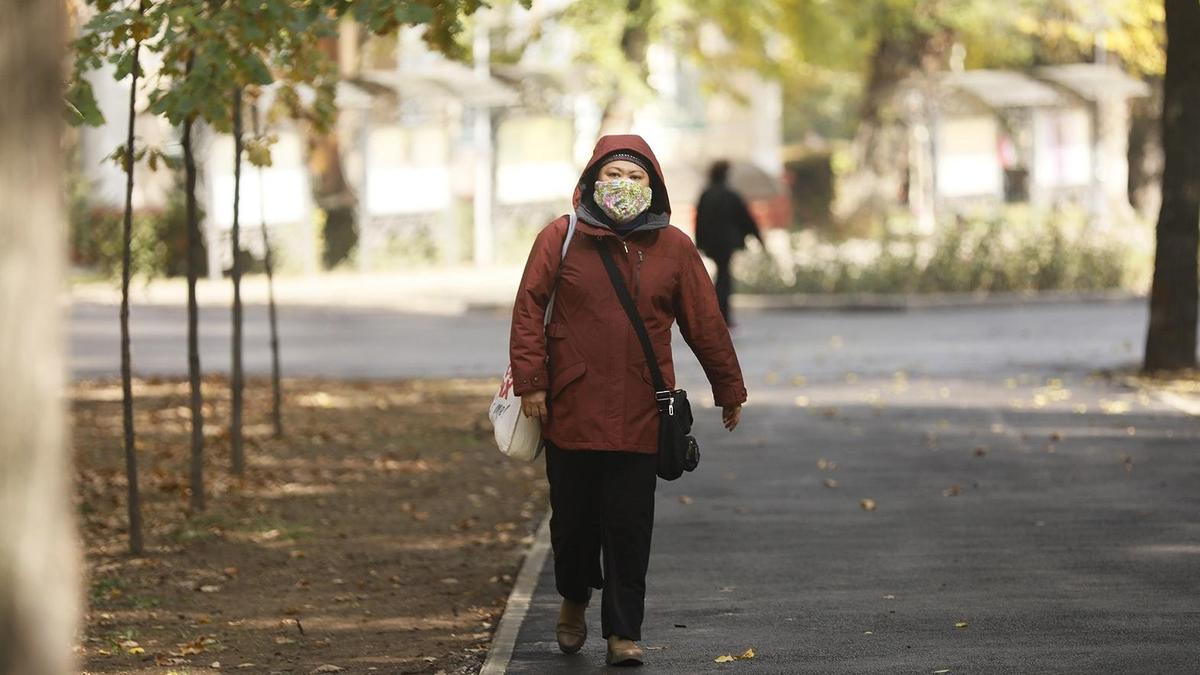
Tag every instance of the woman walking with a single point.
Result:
(585, 375)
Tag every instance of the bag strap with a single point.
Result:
(571, 220)
(661, 392)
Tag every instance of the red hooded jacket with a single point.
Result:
(589, 358)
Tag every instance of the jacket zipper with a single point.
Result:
(637, 273)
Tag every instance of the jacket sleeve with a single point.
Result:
(704, 329)
(527, 340)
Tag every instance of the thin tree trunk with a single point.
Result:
(197, 500)
(131, 472)
(269, 264)
(235, 416)
(1171, 337)
(39, 575)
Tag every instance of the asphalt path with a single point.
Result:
(1028, 516)
(357, 342)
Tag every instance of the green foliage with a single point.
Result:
(211, 48)
(1013, 250)
(159, 246)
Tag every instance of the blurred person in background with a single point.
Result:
(723, 222)
(584, 374)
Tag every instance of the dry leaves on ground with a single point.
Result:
(729, 658)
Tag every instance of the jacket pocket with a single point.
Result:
(561, 378)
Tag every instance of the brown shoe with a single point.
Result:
(572, 626)
(622, 652)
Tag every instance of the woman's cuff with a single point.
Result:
(525, 382)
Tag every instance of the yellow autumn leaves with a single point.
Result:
(728, 658)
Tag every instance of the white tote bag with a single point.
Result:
(518, 436)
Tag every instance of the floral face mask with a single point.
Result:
(622, 199)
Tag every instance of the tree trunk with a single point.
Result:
(880, 146)
(269, 264)
(1145, 151)
(236, 383)
(39, 587)
(619, 109)
(197, 500)
(331, 190)
(131, 472)
(1171, 338)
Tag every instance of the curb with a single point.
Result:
(505, 639)
(1183, 404)
(900, 302)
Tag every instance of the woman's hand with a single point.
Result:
(533, 404)
(731, 415)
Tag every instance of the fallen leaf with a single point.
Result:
(136, 650)
(952, 491)
(940, 672)
(327, 668)
(830, 483)
(867, 504)
(725, 658)
(1127, 462)
(961, 624)
(981, 451)
(748, 654)
(684, 499)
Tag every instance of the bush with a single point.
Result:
(159, 237)
(1017, 249)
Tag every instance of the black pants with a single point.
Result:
(724, 285)
(603, 510)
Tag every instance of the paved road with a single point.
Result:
(350, 342)
(1070, 541)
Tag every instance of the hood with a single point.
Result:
(659, 213)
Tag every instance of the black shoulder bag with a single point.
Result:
(677, 449)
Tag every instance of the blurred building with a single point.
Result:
(1053, 136)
